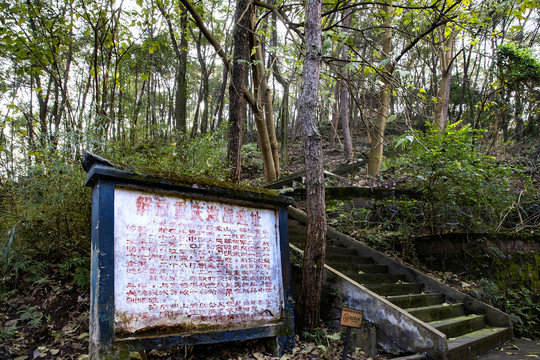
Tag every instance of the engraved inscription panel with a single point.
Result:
(189, 264)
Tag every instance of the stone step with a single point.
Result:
(293, 222)
(415, 300)
(297, 233)
(460, 325)
(348, 259)
(385, 278)
(366, 268)
(395, 289)
(471, 345)
(338, 250)
(412, 357)
(437, 312)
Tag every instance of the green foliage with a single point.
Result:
(52, 207)
(201, 156)
(46, 209)
(251, 159)
(32, 316)
(80, 267)
(8, 332)
(522, 304)
(320, 336)
(517, 64)
(463, 188)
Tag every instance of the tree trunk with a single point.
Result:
(345, 91)
(334, 124)
(518, 113)
(383, 111)
(314, 253)
(260, 83)
(181, 55)
(219, 108)
(236, 89)
(262, 131)
(284, 111)
(204, 83)
(443, 98)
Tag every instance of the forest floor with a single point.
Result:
(49, 320)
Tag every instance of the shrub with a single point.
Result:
(463, 188)
(46, 209)
(251, 159)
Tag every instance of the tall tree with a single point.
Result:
(181, 51)
(385, 92)
(314, 253)
(345, 89)
(242, 20)
(447, 35)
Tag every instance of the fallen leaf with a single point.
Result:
(83, 357)
(54, 351)
(10, 323)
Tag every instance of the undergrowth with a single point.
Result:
(46, 209)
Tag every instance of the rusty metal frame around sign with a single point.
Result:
(105, 339)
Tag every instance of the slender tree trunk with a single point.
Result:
(180, 110)
(181, 52)
(262, 132)
(443, 98)
(284, 111)
(204, 84)
(260, 82)
(219, 108)
(285, 124)
(334, 124)
(465, 84)
(314, 253)
(518, 113)
(345, 91)
(383, 111)
(195, 127)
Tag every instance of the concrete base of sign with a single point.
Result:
(365, 339)
(279, 345)
(102, 352)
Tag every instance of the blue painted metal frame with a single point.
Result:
(102, 269)
(103, 344)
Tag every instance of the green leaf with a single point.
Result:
(334, 336)
(140, 2)
(391, 118)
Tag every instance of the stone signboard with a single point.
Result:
(181, 261)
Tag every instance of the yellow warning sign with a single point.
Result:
(351, 317)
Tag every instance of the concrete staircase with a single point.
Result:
(450, 325)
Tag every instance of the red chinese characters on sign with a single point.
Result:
(188, 260)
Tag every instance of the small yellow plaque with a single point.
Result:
(351, 317)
